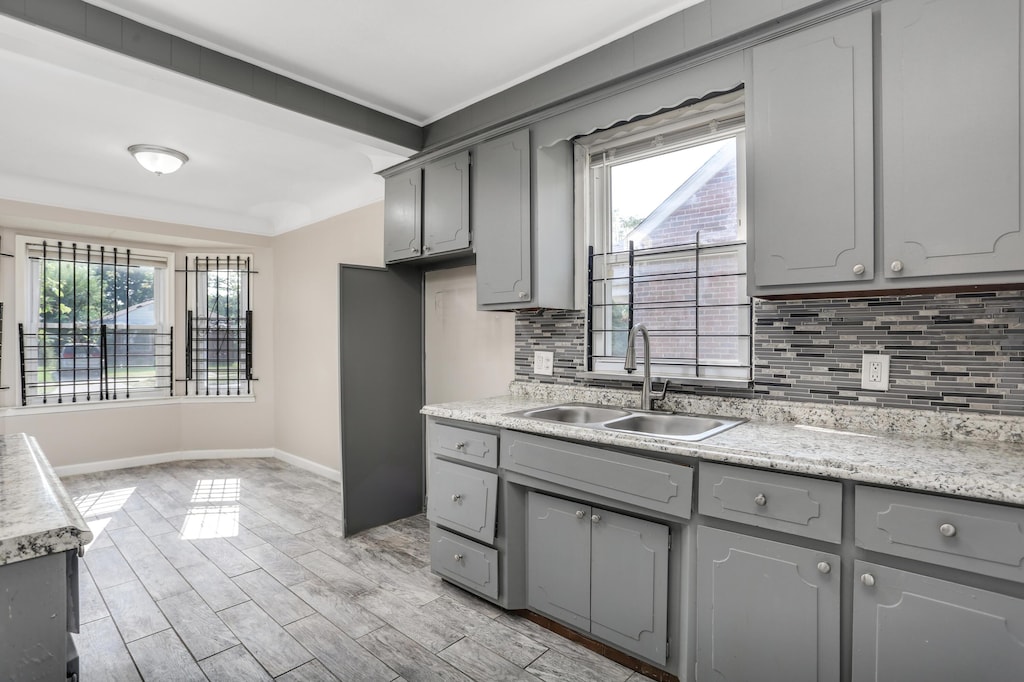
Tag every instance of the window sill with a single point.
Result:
(638, 377)
(88, 405)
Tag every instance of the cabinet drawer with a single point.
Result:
(463, 499)
(464, 561)
(464, 444)
(648, 483)
(972, 536)
(802, 506)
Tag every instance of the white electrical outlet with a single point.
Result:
(874, 372)
(543, 362)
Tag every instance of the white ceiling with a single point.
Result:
(74, 108)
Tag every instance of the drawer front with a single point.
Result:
(464, 561)
(463, 499)
(648, 483)
(972, 536)
(807, 507)
(464, 444)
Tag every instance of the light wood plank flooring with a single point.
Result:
(236, 570)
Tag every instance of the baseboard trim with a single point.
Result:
(161, 458)
(184, 455)
(308, 465)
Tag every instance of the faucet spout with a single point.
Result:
(646, 399)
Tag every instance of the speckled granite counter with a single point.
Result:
(37, 517)
(927, 452)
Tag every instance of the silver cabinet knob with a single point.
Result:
(580, 514)
(858, 269)
(868, 580)
(460, 445)
(426, 249)
(760, 500)
(457, 497)
(458, 557)
(523, 295)
(596, 518)
(415, 249)
(896, 266)
(947, 529)
(824, 567)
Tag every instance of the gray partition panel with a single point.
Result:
(381, 395)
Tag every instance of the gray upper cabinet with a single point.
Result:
(599, 571)
(912, 628)
(766, 610)
(951, 148)
(810, 157)
(446, 204)
(403, 215)
(728, 17)
(426, 209)
(501, 214)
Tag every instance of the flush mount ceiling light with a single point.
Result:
(159, 160)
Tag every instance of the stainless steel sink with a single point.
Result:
(576, 414)
(661, 424)
(680, 426)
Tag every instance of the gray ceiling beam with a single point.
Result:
(92, 24)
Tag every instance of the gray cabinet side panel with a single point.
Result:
(810, 162)
(558, 559)
(381, 395)
(764, 610)
(913, 628)
(33, 629)
(501, 220)
(446, 204)
(951, 116)
(629, 584)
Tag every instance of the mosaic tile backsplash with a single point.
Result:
(960, 352)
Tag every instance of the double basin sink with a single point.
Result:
(640, 422)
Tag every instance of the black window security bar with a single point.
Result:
(690, 296)
(218, 345)
(96, 336)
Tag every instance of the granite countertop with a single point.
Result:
(982, 469)
(37, 517)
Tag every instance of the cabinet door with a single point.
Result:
(463, 499)
(765, 610)
(629, 583)
(810, 163)
(909, 628)
(502, 221)
(403, 217)
(558, 559)
(951, 118)
(446, 204)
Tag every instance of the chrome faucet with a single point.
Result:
(646, 399)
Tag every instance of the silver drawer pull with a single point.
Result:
(824, 567)
(580, 514)
(458, 557)
(858, 269)
(596, 518)
(457, 497)
(896, 266)
(523, 295)
(760, 500)
(947, 529)
(461, 445)
(868, 580)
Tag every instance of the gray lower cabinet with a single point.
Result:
(810, 158)
(913, 628)
(600, 571)
(501, 214)
(765, 610)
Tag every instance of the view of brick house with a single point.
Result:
(668, 295)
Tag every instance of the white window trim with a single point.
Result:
(714, 119)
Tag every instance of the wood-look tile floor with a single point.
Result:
(236, 570)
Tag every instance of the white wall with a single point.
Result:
(469, 353)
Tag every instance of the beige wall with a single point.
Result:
(306, 327)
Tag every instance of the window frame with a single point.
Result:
(706, 121)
